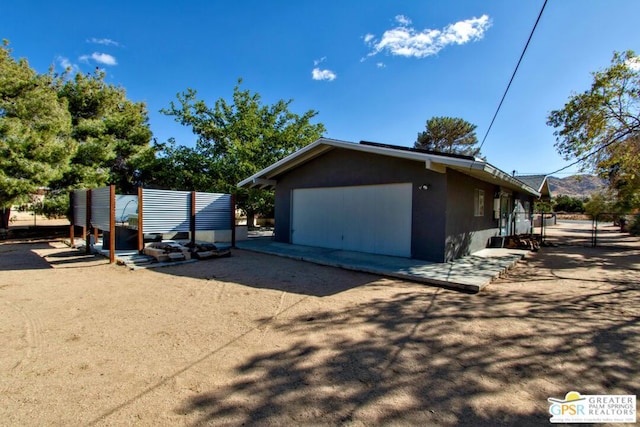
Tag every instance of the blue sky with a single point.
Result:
(374, 70)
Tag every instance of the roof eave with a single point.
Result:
(266, 178)
(511, 180)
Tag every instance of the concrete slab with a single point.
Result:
(471, 273)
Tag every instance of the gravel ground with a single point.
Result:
(259, 340)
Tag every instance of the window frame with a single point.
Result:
(478, 202)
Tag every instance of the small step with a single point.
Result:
(176, 256)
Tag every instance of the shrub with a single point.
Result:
(55, 205)
(568, 204)
(634, 227)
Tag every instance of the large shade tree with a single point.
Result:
(35, 145)
(600, 127)
(112, 135)
(237, 139)
(449, 135)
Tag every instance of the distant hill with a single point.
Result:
(579, 186)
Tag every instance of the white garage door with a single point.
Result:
(370, 218)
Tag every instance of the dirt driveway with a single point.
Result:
(259, 340)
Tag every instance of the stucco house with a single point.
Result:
(393, 200)
(539, 183)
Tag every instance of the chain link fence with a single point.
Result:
(602, 230)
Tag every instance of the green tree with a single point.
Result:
(35, 146)
(237, 139)
(112, 134)
(598, 204)
(177, 167)
(449, 135)
(112, 131)
(564, 203)
(542, 206)
(600, 127)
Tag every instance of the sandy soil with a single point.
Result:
(260, 340)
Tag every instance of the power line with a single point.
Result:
(513, 75)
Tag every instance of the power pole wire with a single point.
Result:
(513, 75)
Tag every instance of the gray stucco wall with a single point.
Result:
(465, 232)
(443, 223)
(341, 167)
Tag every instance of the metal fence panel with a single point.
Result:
(165, 211)
(80, 207)
(100, 208)
(213, 211)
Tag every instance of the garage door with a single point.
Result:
(372, 218)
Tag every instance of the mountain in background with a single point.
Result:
(579, 186)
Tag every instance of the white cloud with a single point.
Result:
(406, 41)
(64, 62)
(101, 58)
(105, 42)
(380, 65)
(403, 20)
(634, 63)
(318, 74)
(317, 62)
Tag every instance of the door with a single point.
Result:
(371, 218)
(505, 214)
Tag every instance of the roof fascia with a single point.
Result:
(432, 162)
(494, 171)
(293, 158)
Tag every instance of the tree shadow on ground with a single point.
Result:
(36, 232)
(271, 272)
(605, 236)
(42, 255)
(437, 358)
(621, 264)
(16, 256)
(73, 259)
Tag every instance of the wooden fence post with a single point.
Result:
(87, 235)
(233, 220)
(71, 218)
(140, 231)
(192, 222)
(112, 224)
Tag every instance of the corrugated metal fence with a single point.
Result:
(168, 211)
(213, 211)
(165, 211)
(80, 207)
(161, 211)
(101, 208)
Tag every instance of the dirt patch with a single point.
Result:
(259, 340)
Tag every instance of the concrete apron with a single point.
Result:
(470, 273)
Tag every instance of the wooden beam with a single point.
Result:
(233, 220)
(71, 219)
(192, 222)
(112, 224)
(263, 183)
(87, 234)
(140, 231)
(436, 167)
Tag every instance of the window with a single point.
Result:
(478, 202)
